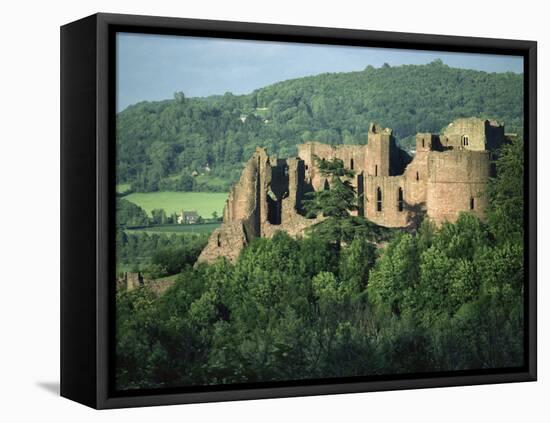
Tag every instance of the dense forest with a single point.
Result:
(200, 144)
(157, 255)
(336, 303)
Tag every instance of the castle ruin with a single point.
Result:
(447, 175)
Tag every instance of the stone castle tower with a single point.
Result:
(447, 175)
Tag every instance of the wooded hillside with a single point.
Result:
(200, 144)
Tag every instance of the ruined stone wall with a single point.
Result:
(295, 173)
(397, 211)
(241, 202)
(266, 199)
(307, 153)
(295, 226)
(129, 281)
(353, 156)
(244, 213)
(472, 128)
(426, 142)
(294, 222)
(445, 176)
(416, 173)
(293, 179)
(134, 280)
(457, 182)
(264, 175)
(390, 214)
(379, 151)
(226, 241)
(416, 179)
(451, 141)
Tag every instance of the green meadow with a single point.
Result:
(204, 203)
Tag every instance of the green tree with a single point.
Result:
(334, 203)
(158, 216)
(331, 298)
(129, 214)
(393, 280)
(356, 261)
(506, 197)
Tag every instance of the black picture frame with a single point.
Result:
(88, 192)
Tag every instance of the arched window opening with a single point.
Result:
(219, 241)
(400, 199)
(417, 178)
(378, 199)
(351, 164)
(465, 140)
(471, 203)
(423, 143)
(375, 170)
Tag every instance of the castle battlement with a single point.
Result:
(447, 175)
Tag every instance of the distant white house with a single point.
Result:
(188, 217)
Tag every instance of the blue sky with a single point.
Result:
(154, 67)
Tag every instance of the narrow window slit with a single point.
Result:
(378, 199)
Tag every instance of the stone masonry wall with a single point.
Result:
(473, 128)
(266, 199)
(243, 214)
(457, 181)
(389, 214)
(416, 173)
(135, 280)
(446, 176)
(379, 151)
(226, 241)
(353, 156)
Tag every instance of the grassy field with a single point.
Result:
(166, 229)
(204, 203)
(212, 181)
